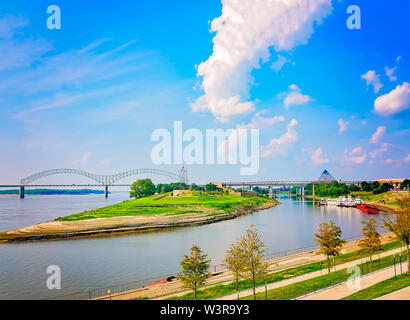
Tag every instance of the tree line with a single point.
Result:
(245, 258)
(145, 188)
(336, 189)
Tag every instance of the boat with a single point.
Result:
(167, 279)
(367, 208)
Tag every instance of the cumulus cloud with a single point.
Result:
(356, 156)
(379, 151)
(260, 122)
(282, 144)
(393, 102)
(319, 157)
(295, 97)
(278, 64)
(377, 135)
(257, 122)
(390, 73)
(342, 125)
(245, 32)
(373, 79)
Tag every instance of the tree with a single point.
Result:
(330, 241)
(142, 188)
(371, 242)
(250, 250)
(400, 225)
(353, 188)
(211, 187)
(233, 261)
(405, 185)
(366, 186)
(383, 188)
(194, 270)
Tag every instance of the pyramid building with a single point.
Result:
(326, 176)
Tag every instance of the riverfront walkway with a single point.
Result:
(304, 277)
(174, 288)
(343, 290)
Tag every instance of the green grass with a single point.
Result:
(381, 288)
(225, 289)
(304, 287)
(208, 204)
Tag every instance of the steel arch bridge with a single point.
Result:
(105, 180)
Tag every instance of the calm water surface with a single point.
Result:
(93, 263)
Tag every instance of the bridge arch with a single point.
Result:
(104, 179)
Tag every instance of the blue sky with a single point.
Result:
(89, 95)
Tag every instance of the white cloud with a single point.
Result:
(282, 144)
(295, 97)
(380, 151)
(373, 79)
(342, 125)
(84, 158)
(377, 135)
(319, 157)
(388, 161)
(257, 122)
(390, 73)
(245, 32)
(278, 64)
(407, 159)
(356, 156)
(10, 24)
(260, 122)
(393, 102)
(105, 162)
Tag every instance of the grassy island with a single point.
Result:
(157, 212)
(202, 203)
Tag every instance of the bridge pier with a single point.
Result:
(270, 192)
(21, 192)
(106, 192)
(313, 191)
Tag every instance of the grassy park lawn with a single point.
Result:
(225, 289)
(381, 288)
(307, 286)
(389, 198)
(209, 204)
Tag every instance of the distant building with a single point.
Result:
(394, 182)
(326, 177)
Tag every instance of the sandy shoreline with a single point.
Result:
(60, 230)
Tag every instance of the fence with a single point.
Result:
(134, 285)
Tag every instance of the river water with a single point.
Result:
(101, 262)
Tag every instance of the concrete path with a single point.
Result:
(306, 276)
(348, 288)
(402, 294)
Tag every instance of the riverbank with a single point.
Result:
(386, 201)
(142, 215)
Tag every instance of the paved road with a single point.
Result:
(346, 289)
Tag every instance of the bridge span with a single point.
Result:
(102, 180)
